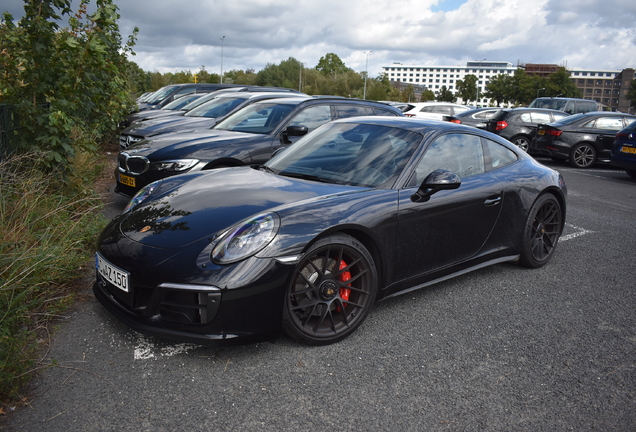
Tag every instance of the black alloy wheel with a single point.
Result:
(522, 142)
(331, 292)
(542, 231)
(582, 156)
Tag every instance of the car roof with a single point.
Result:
(525, 109)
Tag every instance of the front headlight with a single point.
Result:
(141, 196)
(175, 165)
(245, 239)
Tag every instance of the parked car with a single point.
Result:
(623, 153)
(435, 110)
(569, 105)
(167, 94)
(202, 117)
(477, 117)
(519, 125)
(149, 114)
(249, 136)
(360, 210)
(582, 139)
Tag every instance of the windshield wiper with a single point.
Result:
(306, 176)
(265, 167)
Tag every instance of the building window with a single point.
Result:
(584, 73)
(417, 80)
(588, 91)
(581, 81)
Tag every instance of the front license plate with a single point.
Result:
(541, 132)
(631, 150)
(128, 181)
(114, 275)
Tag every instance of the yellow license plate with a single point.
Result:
(541, 132)
(128, 181)
(628, 150)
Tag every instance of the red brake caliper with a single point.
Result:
(344, 276)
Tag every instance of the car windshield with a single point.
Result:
(181, 102)
(160, 95)
(216, 107)
(557, 104)
(348, 153)
(257, 118)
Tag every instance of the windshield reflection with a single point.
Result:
(348, 154)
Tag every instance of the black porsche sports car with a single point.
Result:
(359, 210)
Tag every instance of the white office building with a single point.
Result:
(434, 77)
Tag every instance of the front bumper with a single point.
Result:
(243, 303)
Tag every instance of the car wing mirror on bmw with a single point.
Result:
(295, 131)
(436, 181)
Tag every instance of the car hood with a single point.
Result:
(195, 206)
(169, 124)
(182, 144)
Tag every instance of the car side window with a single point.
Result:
(559, 116)
(456, 152)
(312, 117)
(498, 156)
(609, 123)
(345, 111)
(442, 110)
(539, 117)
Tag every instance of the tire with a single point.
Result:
(522, 142)
(631, 173)
(542, 232)
(583, 156)
(331, 291)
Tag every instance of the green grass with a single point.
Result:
(47, 232)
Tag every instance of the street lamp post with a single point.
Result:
(222, 40)
(538, 90)
(366, 73)
(477, 82)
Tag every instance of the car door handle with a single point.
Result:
(492, 201)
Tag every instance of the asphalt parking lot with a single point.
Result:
(503, 348)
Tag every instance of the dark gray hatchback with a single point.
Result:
(519, 125)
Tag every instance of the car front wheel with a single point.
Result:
(582, 156)
(331, 291)
(542, 231)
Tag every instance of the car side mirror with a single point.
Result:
(436, 181)
(294, 131)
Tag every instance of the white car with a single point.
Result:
(435, 110)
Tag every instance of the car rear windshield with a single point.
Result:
(216, 107)
(160, 95)
(568, 120)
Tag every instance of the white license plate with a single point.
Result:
(114, 275)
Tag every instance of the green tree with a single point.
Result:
(331, 64)
(445, 95)
(467, 88)
(68, 85)
(499, 89)
(286, 74)
(427, 95)
(560, 83)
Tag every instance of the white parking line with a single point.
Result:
(578, 231)
(145, 349)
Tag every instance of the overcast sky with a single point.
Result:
(186, 35)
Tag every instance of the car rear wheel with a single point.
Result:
(542, 231)
(582, 156)
(331, 291)
(522, 142)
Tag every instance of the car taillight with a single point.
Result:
(501, 125)
(621, 136)
(553, 132)
(409, 115)
(456, 121)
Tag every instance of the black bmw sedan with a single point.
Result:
(362, 209)
(581, 139)
(248, 136)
